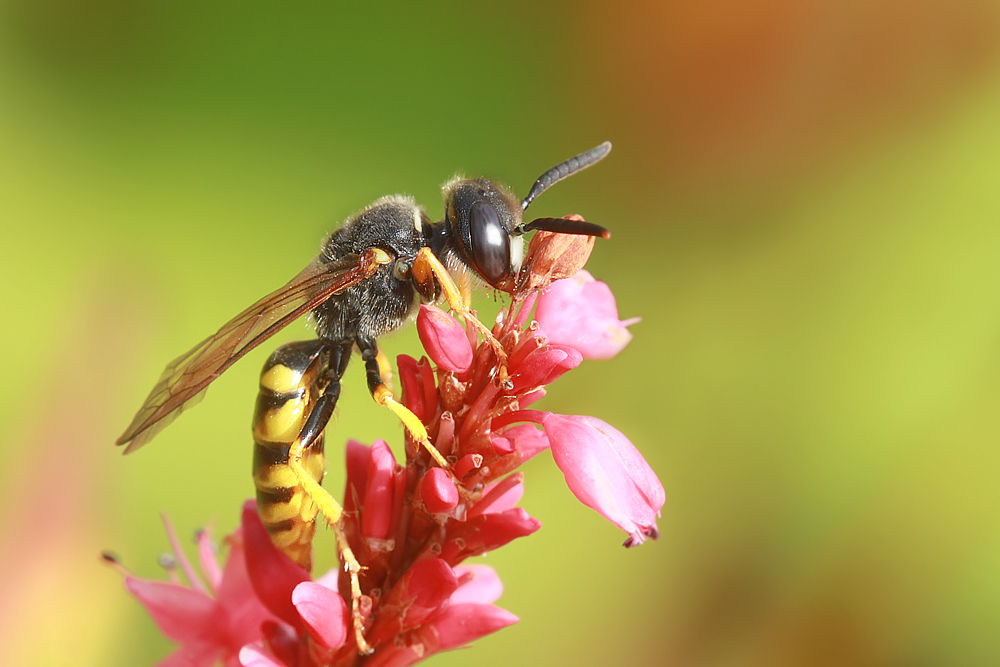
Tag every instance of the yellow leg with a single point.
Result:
(385, 368)
(333, 512)
(458, 304)
(411, 423)
(465, 287)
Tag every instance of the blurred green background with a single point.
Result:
(805, 200)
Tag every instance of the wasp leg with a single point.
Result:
(385, 368)
(383, 396)
(427, 261)
(328, 506)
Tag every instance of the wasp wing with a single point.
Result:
(185, 380)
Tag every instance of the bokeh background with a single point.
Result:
(805, 200)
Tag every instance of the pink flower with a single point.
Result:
(581, 312)
(211, 624)
(607, 473)
(410, 527)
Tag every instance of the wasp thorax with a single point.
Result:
(482, 217)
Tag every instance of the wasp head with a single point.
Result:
(482, 220)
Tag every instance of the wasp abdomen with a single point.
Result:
(290, 385)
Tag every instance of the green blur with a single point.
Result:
(805, 213)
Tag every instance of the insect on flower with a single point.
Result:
(367, 281)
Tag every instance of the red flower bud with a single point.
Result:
(376, 515)
(444, 339)
(438, 492)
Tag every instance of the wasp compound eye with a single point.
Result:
(490, 246)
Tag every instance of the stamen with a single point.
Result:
(185, 565)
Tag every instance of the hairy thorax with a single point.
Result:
(384, 302)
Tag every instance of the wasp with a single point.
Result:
(368, 280)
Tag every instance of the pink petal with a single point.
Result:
(399, 499)
(528, 440)
(418, 595)
(479, 584)
(438, 492)
(272, 574)
(544, 365)
(412, 386)
(207, 558)
(245, 612)
(324, 611)
(376, 515)
(419, 387)
(525, 309)
(357, 455)
(331, 579)
(485, 533)
(500, 496)
(429, 384)
(532, 396)
(425, 586)
(251, 656)
(181, 614)
(444, 339)
(460, 624)
(581, 312)
(430, 583)
(181, 557)
(467, 464)
(606, 472)
(501, 445)
(281, 640)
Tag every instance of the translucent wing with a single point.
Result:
(186, 378)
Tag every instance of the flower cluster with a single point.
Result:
(412, 526)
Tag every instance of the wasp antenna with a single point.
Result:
(567, 168)
(564, 226)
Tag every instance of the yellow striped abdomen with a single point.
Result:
(289, 389)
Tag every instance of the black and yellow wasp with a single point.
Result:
(367, 281)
